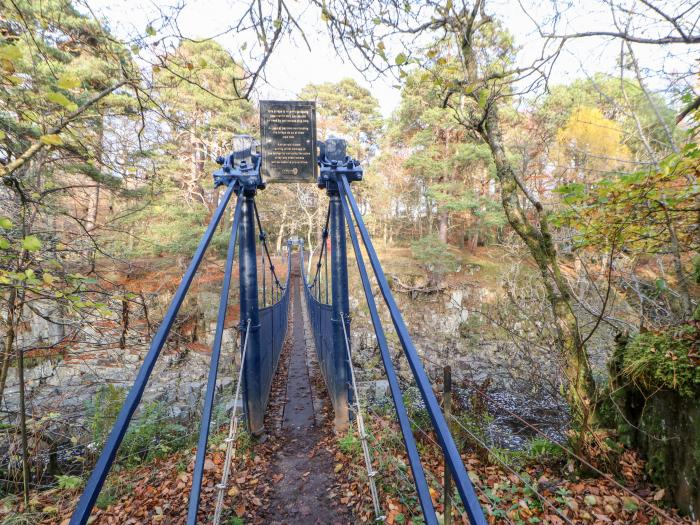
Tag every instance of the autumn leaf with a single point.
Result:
(51, 140)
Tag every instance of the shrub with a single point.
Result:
(149, 435)
(436, 257)
(69, 482)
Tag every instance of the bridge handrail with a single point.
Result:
(451, 453)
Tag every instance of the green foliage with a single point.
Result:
(102, 411)
(540, 448)
(350, 444)
(347, 109)
(150, 434)
(666, 359)
(69, 482)
(434, 255)
(168, 227)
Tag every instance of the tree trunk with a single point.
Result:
(580, 391)
(93, 206)
(9, 340)
(442, 226)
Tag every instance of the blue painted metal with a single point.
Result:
(213, 370)
(422, 488)
(252, 375)
(322, 329)
(104, 463)
(340, 309)
(273, 330)
(241, 167)
(453, 459)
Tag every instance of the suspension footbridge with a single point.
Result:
(264, 318)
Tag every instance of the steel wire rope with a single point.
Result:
(512, 471)
(607, 476)
(324, 236)
(421, 483)
(371, 473)
(198, 471)
(457, 468)
(231, 438)
(489, 449)
(263, 238)
(104, 463)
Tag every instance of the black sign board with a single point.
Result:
(288, 133)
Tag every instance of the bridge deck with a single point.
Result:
(302, 470)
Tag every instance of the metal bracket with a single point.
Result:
(240, 167)
(333, 162)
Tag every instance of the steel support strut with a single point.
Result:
(452, 456)
(422, 489)
(340, 308)
(213, 370)
(253, 395)
(109, 452)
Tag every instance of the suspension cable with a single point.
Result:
(371, 473)
(263, 238)
(452, 456)
(231, 438)
(417, 470)
(324, 236)
(198, 471)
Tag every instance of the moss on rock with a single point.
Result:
(654, 401)
(668, 360)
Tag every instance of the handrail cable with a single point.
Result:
(231, 438)
(371, 473)
(512, 471)
(452, 456)
(607, 476)
(420, 482)
(485, 395)
(109, 452)
(197, 473)
(427, 435)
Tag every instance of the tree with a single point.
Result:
(589, 142)
(453, 170)
(347, 109)
(476, 92)
(479, 92)
(198, 91)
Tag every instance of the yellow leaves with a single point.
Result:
(68, 82)
(592, 141)
(10, 53)
(61, 100)
(51, 140)
(31, 243)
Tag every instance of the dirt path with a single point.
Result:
(302, 468)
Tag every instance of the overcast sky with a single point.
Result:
(292, 66)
